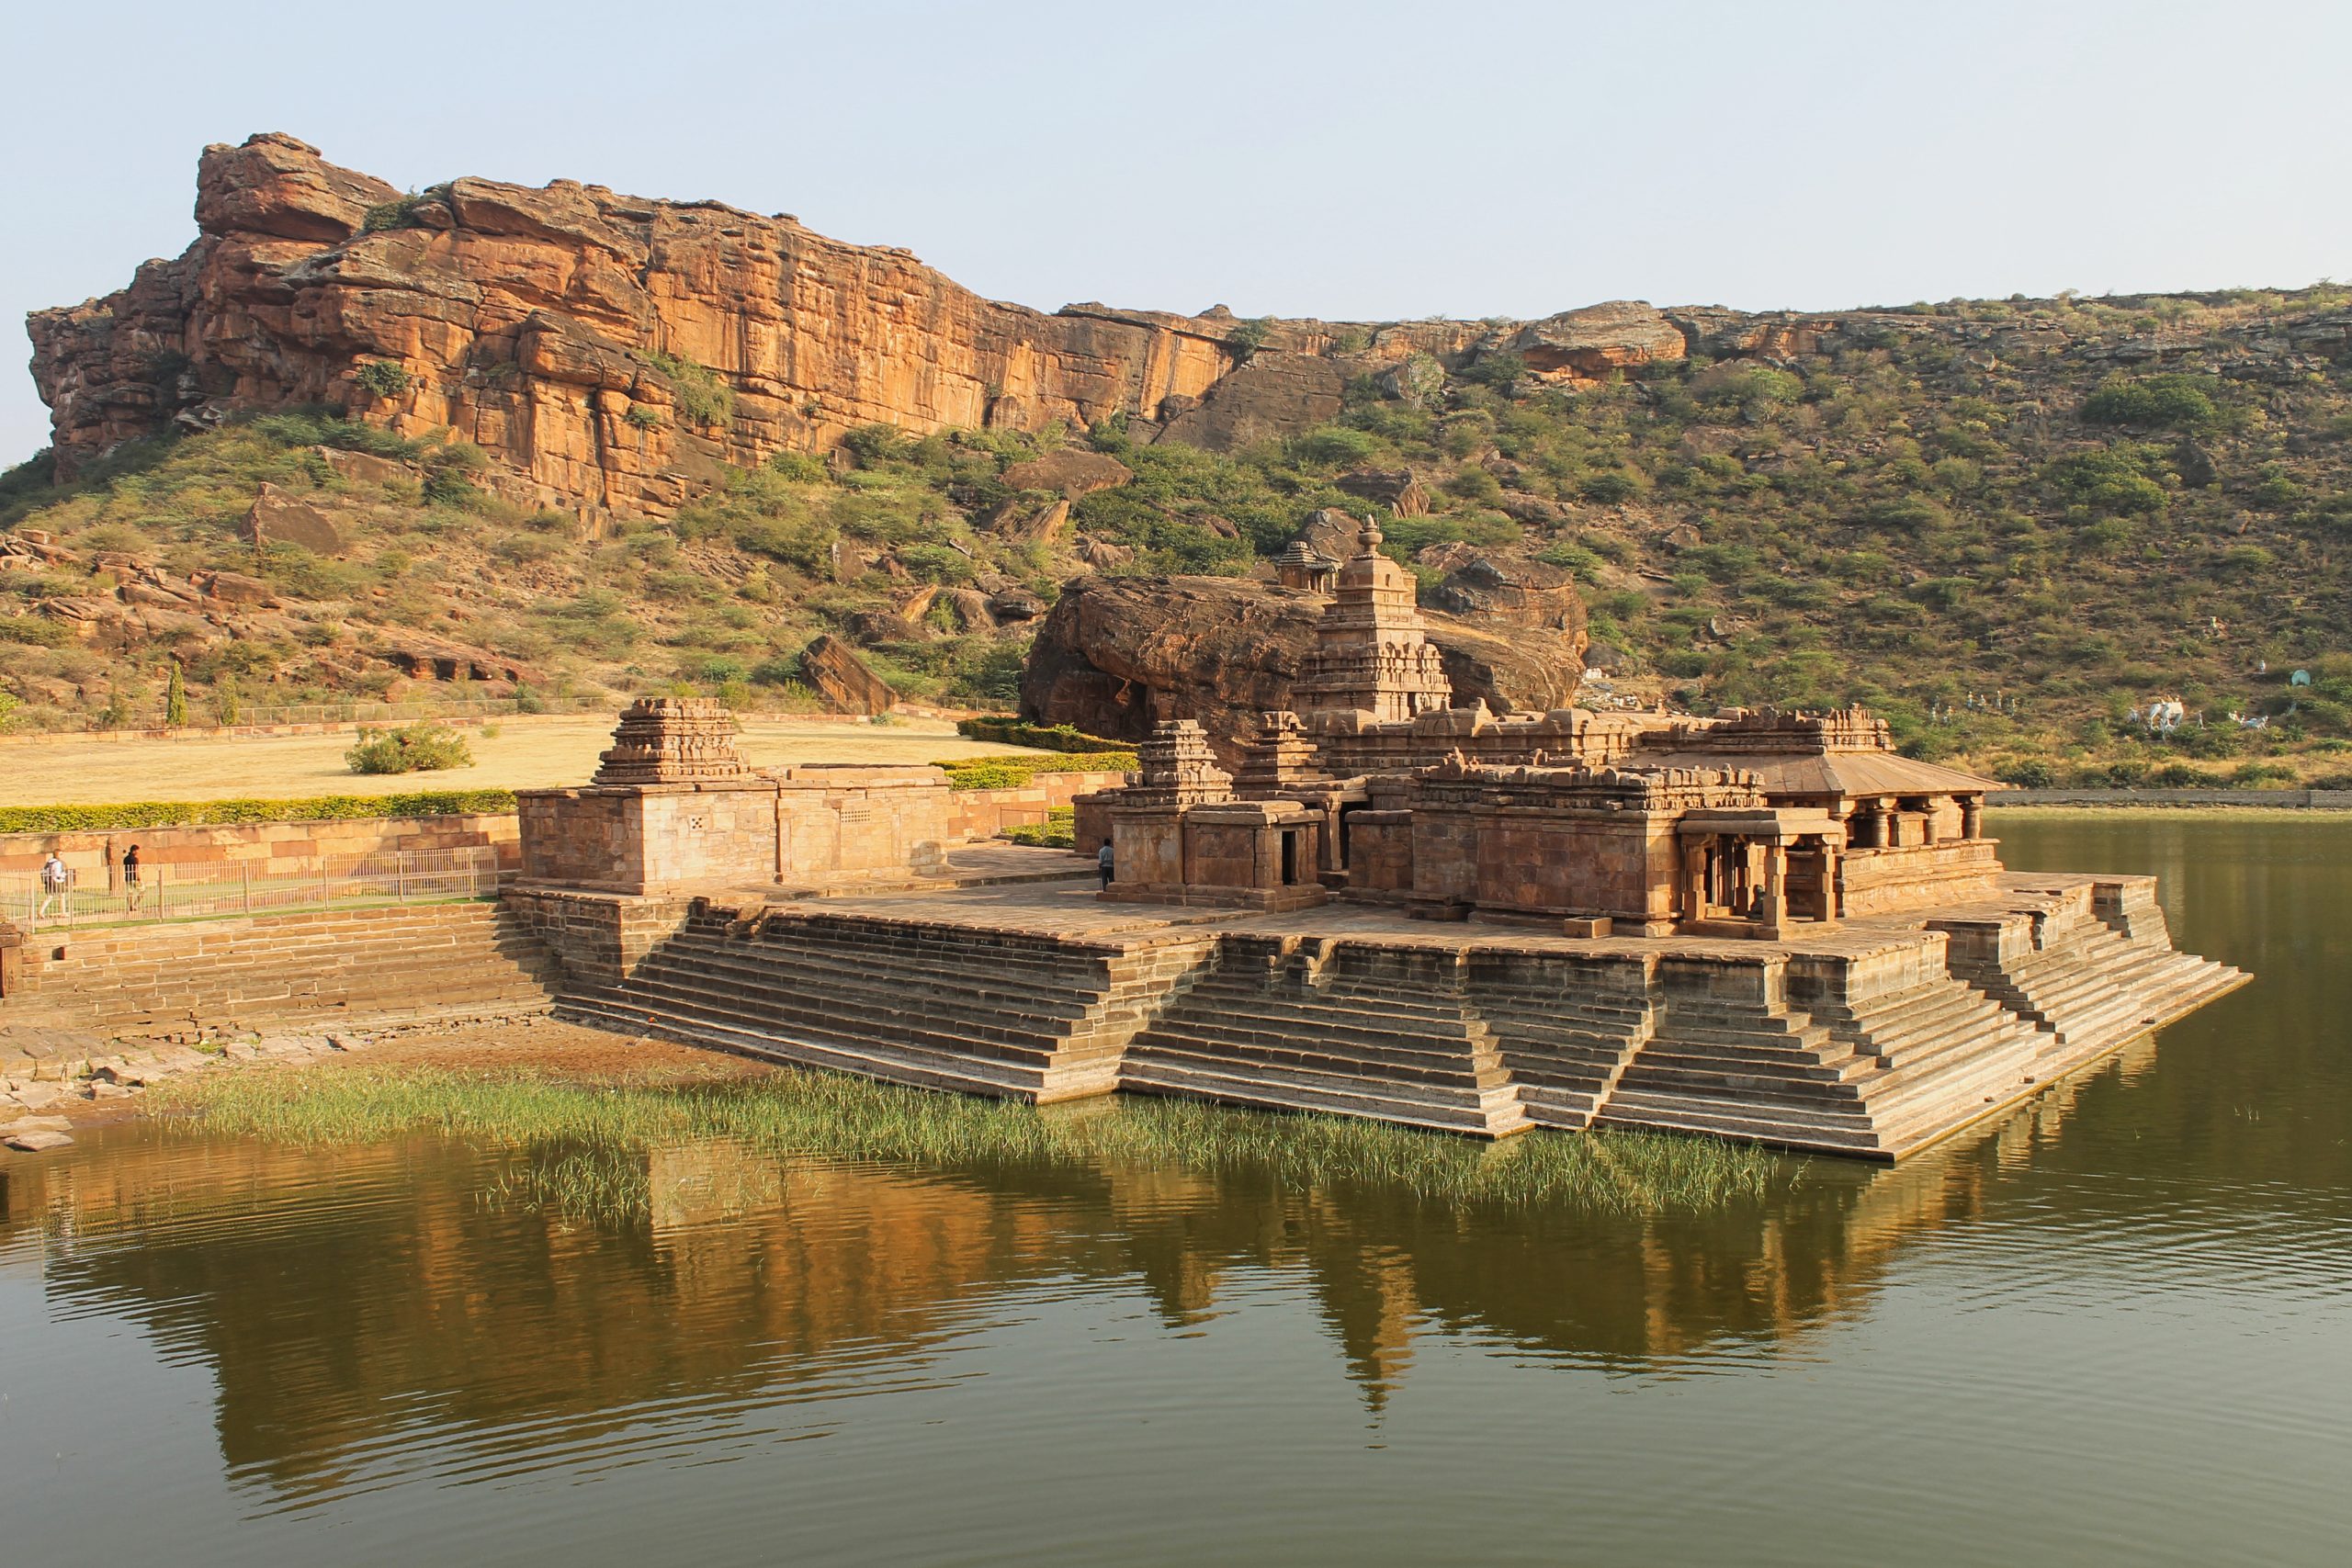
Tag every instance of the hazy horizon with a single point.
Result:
(1356, 163)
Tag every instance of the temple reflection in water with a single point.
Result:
(333, 1292)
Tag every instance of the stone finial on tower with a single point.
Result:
(671, 740)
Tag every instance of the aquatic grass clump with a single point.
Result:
(585, 1143)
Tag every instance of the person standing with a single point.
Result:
(1102, 864)
(132, 890)
(54, 879)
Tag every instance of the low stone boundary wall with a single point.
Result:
(971, 814)
(2291, 799)
(93, 855)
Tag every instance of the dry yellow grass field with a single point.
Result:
(527, 752)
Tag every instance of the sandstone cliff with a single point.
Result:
(615, 351)
(1118, 654)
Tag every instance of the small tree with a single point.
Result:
(1248, 337)
(225, 706)
(175, 698)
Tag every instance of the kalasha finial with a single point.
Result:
(1370, 538)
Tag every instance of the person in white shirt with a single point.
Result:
(54, 880)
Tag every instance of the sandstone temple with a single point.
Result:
(1760, 925)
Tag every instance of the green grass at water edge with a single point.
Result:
(583, 1142)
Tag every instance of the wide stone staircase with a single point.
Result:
(1298, 1024)
(1746, 1067)
(1563, 1029)
(985, 1012)
(420, 962)
(2089, 979)
(1936, 1054)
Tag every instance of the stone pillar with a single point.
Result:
(1878, 826)
(1829, 859)
(1776, 883)
(12, 960)
(1972, 815)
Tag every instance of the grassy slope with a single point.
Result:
(1904, 524)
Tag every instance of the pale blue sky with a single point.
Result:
(1347, 160)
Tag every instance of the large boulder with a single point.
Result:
(1273, 394)
(1069, 473)
(1118, 654)
(835, 672)
(278, 518)
(1588, 343)
(1503, 589)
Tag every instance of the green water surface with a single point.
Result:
(2114, 1327)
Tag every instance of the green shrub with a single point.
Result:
(1608, 489)
(643, 417)
(700, 395)
(35, 631)
(1012, 773)
(384, 378)
(1057, 831)
(2031, 773)
(223, 813)
(2115, 479)
(1007, 731)
(398, 213)
(800, 468)
(1333, 447)
(1245, 339)
(2169, 402)
(420, 748)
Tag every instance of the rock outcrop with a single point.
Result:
(536, 323)
(835, 672)
(277, 518)
(1116, 655)
(1505, 591)
(615, 351)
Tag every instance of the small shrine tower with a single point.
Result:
(1370, 652)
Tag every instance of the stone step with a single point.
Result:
(840, 1053)
(792, 970)
(1270, 1026)
(758, 1013)
(982, 961)
(1779, 1125)
(1328, 1061)
(1315, 1000)
(1491, 1116)
(1732, 1086)
(889, 942)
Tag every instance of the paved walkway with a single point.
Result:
(1070, 908)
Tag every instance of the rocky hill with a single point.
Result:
(358, 440)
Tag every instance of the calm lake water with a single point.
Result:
(2116, 1327)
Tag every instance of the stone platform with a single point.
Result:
(1875, 1039)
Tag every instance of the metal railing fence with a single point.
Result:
(212, 889)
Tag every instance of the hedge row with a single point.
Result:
(217, 813)
(1012, 773)
(1044, 737)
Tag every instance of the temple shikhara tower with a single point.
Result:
(1370, 652)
